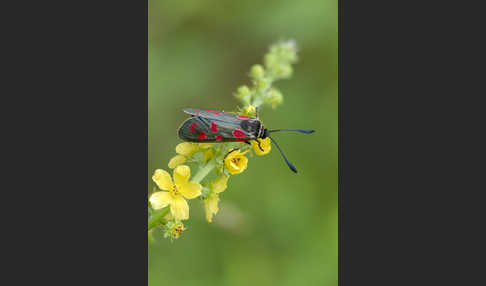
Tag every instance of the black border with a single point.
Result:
(406, 201)
(79, 154)
(408, 80)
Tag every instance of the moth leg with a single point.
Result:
(232, 150)
(259, 146)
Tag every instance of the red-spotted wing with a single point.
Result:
(217, 126)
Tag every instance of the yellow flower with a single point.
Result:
(211, 203)
(183, 151)
(236, 162)
(264, 143)
(178, 229)
(186, 148)
(176, 192)
(220, 184)
(211, 206)
(250, 110)
(173, 229)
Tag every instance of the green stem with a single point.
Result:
(157, 216)
(259, 94)
(204, 171)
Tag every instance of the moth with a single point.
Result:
(213, 126)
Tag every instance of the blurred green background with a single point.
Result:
(274, 227)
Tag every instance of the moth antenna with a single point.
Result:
(285, 158)
(306, 131)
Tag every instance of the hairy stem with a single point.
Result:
(157, 216)
(204, 171)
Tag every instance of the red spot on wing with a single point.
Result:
(214, 127)
(219, 137)
(209, 110)
(238, 133)
(217, 113)
(242, 117)
(196, 111)
(191, 128)
(202, 135)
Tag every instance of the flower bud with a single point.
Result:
(186, 148)
(274, 97)
(257, 71)
(261, 83)
(205, 145)
(270, 60)
(284, 71)
(243, 93)
(289, 51)
(211, 206)
(173, 229)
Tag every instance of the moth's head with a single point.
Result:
(265, 133)
(251, 126)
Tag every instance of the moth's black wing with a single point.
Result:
(216, 129)
(195, 129)
(192, 111)
(232, 129)
(216, 114)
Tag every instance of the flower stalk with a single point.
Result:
(215, 163)
(204, 171)
(157, 216)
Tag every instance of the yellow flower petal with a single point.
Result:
(233, 165)
(206, 145)
(179, 208)
(211, 206)
(220, 184)
(176, 161)
(191, 190)
(186, 148)
(236, 162)
(160, 200)
(264, 143)
(181, 175)
(162, 179)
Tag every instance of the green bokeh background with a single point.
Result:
(274, 227)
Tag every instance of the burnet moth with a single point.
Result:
(212, 126)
